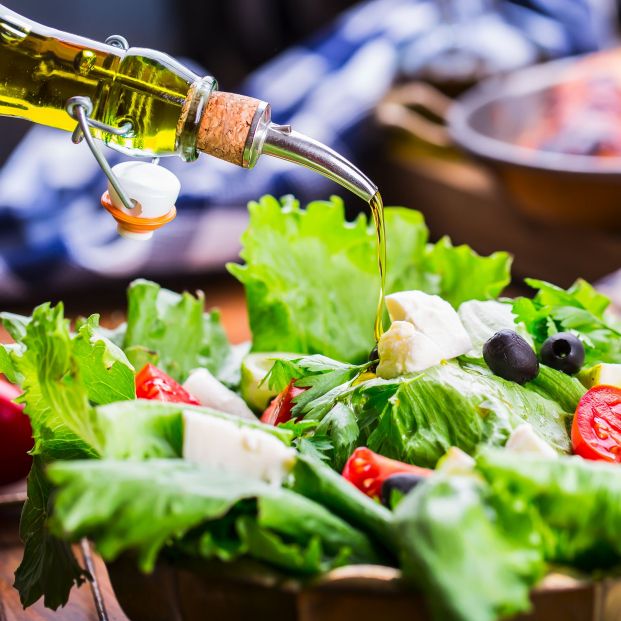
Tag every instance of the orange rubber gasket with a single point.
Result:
(135, 224)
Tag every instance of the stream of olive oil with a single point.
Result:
(377, 210)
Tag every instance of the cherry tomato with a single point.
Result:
(279, 410)
(368, 470)
(15, 436)
(596, 429)
(152, 383)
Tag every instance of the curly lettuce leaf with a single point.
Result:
(579, 309)
(312, 281)
(173, 332)
(63, 376)
(459, 274)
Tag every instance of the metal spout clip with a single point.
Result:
(80, 109)
(283, 142)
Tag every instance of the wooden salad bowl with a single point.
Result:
(215, 591)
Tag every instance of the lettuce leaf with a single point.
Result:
(417, 418)
(173, 332)
(463, 404)
(573, 504)
(579, 309)
(63, 375)
(477, 544)
(456, 547)
(157, 502)
(312, 282)
(48, 569)
(320, 483)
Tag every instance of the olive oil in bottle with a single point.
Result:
(41, 68)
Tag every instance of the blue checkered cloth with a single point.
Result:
(54, 235)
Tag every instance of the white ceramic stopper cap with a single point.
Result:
(156, 189)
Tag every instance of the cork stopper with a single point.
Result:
(225, 125)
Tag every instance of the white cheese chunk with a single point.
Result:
(231, 447)
(214, 394)
(433, 317)
(456, 461)
(425, 331)
(523, 439)
(402, 349)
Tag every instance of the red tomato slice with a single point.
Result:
(368, 470)
(279, 410)
(596, 429)
(152, 383)
(15, 435)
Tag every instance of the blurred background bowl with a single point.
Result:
(557, 188)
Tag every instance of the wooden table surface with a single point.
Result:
(225, 295)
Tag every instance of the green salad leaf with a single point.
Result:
(458, 273)
(477, 543)
(417, 418)
(155, 502)
(463, 404)
(472, 562)
(317, 481)
(573, 504)
(48, 569)
(329, 308)
(579, 309)
(63, 375)
(173, 332)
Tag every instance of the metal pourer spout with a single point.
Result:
(282, 142)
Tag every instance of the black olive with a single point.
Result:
(373, 357)
(564, 352)
(400, 482)
(509, 356)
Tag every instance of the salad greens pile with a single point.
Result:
(114, 469)
(311, 276)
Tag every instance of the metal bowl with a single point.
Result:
(213, 591)
(485, 122)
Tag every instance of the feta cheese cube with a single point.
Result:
(523, 439)
(229, 446)
(433, 317)
(214, 394)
